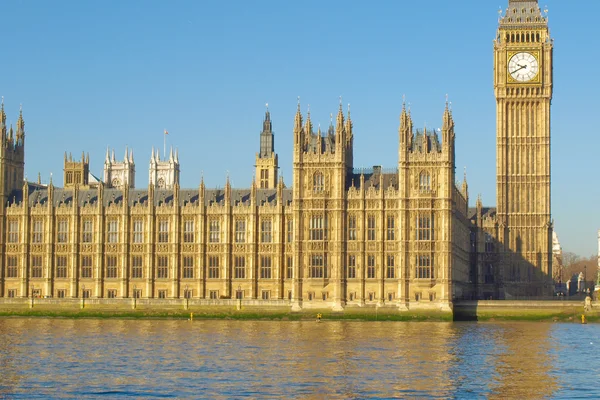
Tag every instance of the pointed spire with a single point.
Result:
(107, 159)
(308, 127)
(112, 159)
(349, 132)
(177, 156)
(465, 185)
(131, 156)
(20, 126)
(171, 158)
(126, 159)
(267, 127)
(298, 118)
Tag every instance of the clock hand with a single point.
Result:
(518, 69)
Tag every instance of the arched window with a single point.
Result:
(318, 182)
(424, 182)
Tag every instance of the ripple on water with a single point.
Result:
(53, 358)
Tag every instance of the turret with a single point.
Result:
(267, 163)
(298, 134)
(20, 129)
(406, 128)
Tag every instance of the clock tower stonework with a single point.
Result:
(523, 91)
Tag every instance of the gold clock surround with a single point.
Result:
(536, 79)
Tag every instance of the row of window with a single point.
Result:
(317, 230)
(317, 267)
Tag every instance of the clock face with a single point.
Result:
(523, 67)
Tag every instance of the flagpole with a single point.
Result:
(164, 145)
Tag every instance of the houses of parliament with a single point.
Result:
(335, 237)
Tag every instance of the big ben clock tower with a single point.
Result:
(523, 90)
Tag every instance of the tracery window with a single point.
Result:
(86, 266)
(13, 231)
(391, 225)
(390, 270)
(214, 234)
(425, 182)
(351, 267)
(37, 231)
(61, 266)
(265, 267)
(188, 231)
(240, 231)
(266, 231)
(188, 267)
(317, 228)
(87, 231)
(36, 266)
(213, 267)
(371, 272)
(424, 227)
(318, 266)
(111, 266)
(318, 182)
(137, 270)
(424, 267)
(11, 267)
(239, 267)
(113, 231)
(162, 269)
(163, 231)
(138, 231)
(351, 227)
(371, 234)
(62, 231)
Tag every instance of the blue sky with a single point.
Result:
(116, 73)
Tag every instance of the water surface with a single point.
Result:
(62, 358)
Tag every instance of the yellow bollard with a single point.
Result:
(191, 316)
(583, 319)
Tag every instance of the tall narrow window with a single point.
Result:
(188, 231)
(390, 270)
(240, 231)
(36, 266)
(318, 266)
(318, 182)
(391, 228)
(11, 267)
(371, 273)
(289, 268)
(239, 267)
(265, 267)
(162, 269)
(317, 228)
(351, 227)
(63, 231)
(424, 227)
(163, 231)
(138, 231)
(265, 231)
(113, 231)
(86, 267)
(290, 230)
(87, 235)
(424, 268)
(137, 270)
(61, 266)
(371, 233)
(489, 243)
(213, 267)
(111, 266)
(424, 182)
(214, 231)
(264, 178)
(188, 267)
(37, 231)
(13, 231)
(351, 267)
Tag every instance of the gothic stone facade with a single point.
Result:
(336, 237)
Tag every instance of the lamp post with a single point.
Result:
(239, 296)
(187, 299)
(82, 296)
(134, 296)
(584, 277)
(32, 290)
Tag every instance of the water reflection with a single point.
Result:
(224, 359)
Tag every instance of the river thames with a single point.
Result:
(63, 358)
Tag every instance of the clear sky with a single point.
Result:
(92, 74)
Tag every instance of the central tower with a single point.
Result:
(523, 91)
